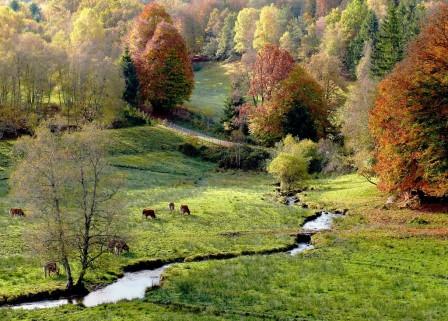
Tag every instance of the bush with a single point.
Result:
(292, 162)
(131, 117)
(242, 157)
(14, 123)
(189, 150)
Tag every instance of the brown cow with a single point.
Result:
(16, 212)
(172, 207)
(51, 267)
(149, 213)
(117, 246)
(184, 210)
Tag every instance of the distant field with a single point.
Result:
(212, 87)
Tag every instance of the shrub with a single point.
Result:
(131, 117)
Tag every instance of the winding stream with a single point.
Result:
(133, 285)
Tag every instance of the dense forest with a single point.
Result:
(318, 70)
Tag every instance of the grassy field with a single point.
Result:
(212, 87)
(222, 204)
(375, 264)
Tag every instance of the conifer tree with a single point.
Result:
(131, 91)
(355, 50)
(388, 49)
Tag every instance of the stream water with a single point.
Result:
(133, 285)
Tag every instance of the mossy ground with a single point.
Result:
(375, 264)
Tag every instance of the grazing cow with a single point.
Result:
(149, 213)
(172, 207)
(51, 267)
(117, 246)
(16, 212)
(184, 210)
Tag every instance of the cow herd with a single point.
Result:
(149, 213)
(116, 246)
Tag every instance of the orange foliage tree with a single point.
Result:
(410, 119)
(161, 58)
(272, 65)
(296, 107)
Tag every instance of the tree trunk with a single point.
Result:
(68, 273)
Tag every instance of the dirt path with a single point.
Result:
(192, 133)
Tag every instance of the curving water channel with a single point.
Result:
(133, 285)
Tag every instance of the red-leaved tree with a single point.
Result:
(271, 66)
(166, 77)
(410, 119)
(161, 58)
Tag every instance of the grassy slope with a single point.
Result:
(157, 174)
(211, 90)
(375, 265)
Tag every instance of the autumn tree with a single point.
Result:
(355, 117)
(296, 108)
(144, 28)
(166, 77)
(161, 58)
(272, 65)
(410, 117)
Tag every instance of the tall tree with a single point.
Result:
(409, 121)
(270, 26)
(226, 38)
(66, 179)
(132, 85)
(245, 29)
(271, 66)
(165, 71)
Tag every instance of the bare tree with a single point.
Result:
(66, 179)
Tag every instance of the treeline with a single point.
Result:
(61, 58)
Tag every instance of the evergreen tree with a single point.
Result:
(231, 112)
(131, 91)
(399, 26)
(35, 12)
(14, 5)
(355, 50)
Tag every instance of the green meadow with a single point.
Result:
(375, 264)
(212, 87)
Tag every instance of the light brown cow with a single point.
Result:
(172, 207)
(117, 246)
(149, 213)
(51, 267)
(16, 212)
(184, 210)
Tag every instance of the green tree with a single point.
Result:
(292, 161)
(245, 29)
(35, 12)
(132, 85)
(399, 26)
(14, 5)
(355, 49)
(226, 38)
